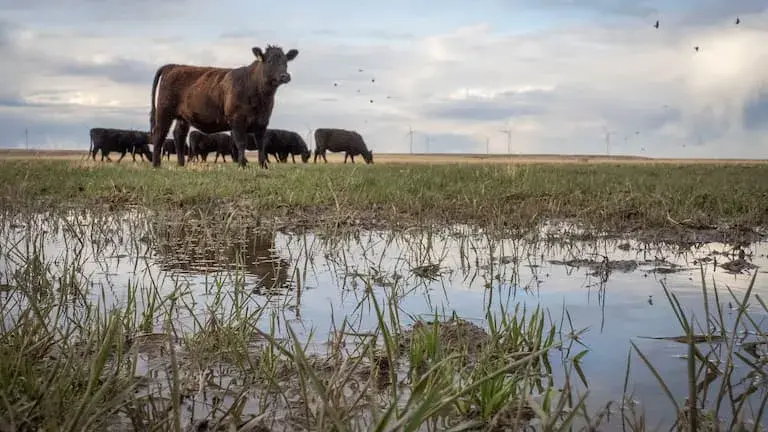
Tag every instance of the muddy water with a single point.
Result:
(309, 278)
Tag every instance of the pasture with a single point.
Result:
(422, 292)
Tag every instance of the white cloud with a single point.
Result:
(555, 90)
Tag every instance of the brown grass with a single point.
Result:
(418, 158)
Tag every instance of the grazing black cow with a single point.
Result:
(169, 148)
(281, 143)
(119, 140)
(200, 145)
(341, 140)
(214, 99)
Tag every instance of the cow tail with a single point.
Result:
(158, 74)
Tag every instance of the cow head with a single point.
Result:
(275, 64)
(306, 155)
(368, 156)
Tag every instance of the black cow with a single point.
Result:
(341, 140)
(281, 143)
(119, 140)
(169, 148)
(201, 144)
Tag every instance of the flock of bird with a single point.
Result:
(696, 48)
(626, 138)
(373, 80)
(656, 25)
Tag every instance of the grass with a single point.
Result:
(166, 357)
(616, 197)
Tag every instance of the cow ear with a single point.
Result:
(257, 53)
(291, 54)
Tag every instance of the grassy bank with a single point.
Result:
(608, 196)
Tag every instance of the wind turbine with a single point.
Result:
(608, 140)
(507, 131)
(309, 135)
(487, 142)
(410, 134)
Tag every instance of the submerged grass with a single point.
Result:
(606, 196)
(71, 361)
(720, 396)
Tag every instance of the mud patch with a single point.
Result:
(606, 266)
(738, 266)
(599, 266)
(455, 335)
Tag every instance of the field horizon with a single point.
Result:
(17, 153)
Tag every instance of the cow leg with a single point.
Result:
(240, 137)
(345, 157)
(122, 156)
(180, 137)
(261, 143)
(158, 134)
(293, 158)
(352, 158)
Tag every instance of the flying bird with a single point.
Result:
(359, 70)
(371, 100)
(738, 21)
(373, 79)
(335, 84)
(696, 48)
(657, 24)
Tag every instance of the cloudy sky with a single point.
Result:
(556, 74)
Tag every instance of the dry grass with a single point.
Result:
(421, 158)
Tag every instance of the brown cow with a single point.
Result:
(214, 99)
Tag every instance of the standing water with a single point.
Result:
(601, 294)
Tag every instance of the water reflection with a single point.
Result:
(191, 249)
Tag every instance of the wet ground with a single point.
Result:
(611, 288)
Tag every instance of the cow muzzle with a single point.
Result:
(285, 78)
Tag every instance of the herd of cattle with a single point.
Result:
(280, 144)
(216, 100)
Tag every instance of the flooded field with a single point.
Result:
(219, 320)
